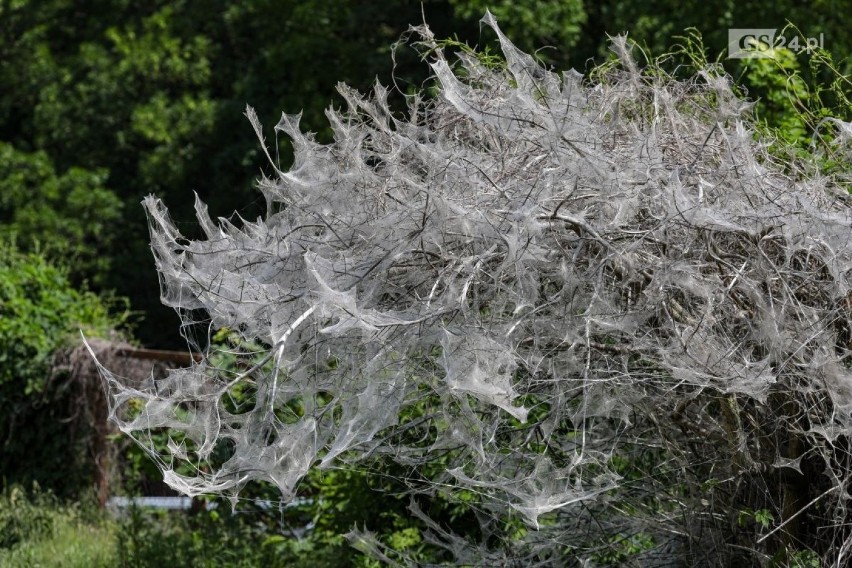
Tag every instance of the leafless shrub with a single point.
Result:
(602, 304)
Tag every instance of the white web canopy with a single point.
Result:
(515, 275)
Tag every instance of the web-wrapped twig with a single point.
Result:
(545, 282)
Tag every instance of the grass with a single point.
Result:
(72, 544)
(37, 531)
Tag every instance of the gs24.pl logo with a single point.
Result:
(750, 43)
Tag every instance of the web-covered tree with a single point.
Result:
(598, 306)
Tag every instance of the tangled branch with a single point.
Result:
(543, 281)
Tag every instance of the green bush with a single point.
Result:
(40, 313)
(151, 538)
(22, 517)
(793, 102)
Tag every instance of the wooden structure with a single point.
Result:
(91, 410)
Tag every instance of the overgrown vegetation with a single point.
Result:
(37, 530)
(43, 426)
(133, 100)
(604, 316)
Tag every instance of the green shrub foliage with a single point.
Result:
(71, 216)
(40, 314)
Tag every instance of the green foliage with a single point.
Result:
(805, 559)
(251, 537)
(37, 530)
(797, 107)
(71, 216)
(621, 548)
(783, 95)
(534, 23)
(331, 501)
(148, 538)
(40, 313)
(150, 98)
(124, 66)
(348, 497)
(654, 24)
(485, 56)
(761, 517)
(22, 517)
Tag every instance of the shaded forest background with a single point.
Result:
(105, 102)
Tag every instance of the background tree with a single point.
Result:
(71, 217)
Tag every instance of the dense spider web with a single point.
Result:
(535, 278)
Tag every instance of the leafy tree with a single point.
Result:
(108, 87)
(72, 216)
(799, 108)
